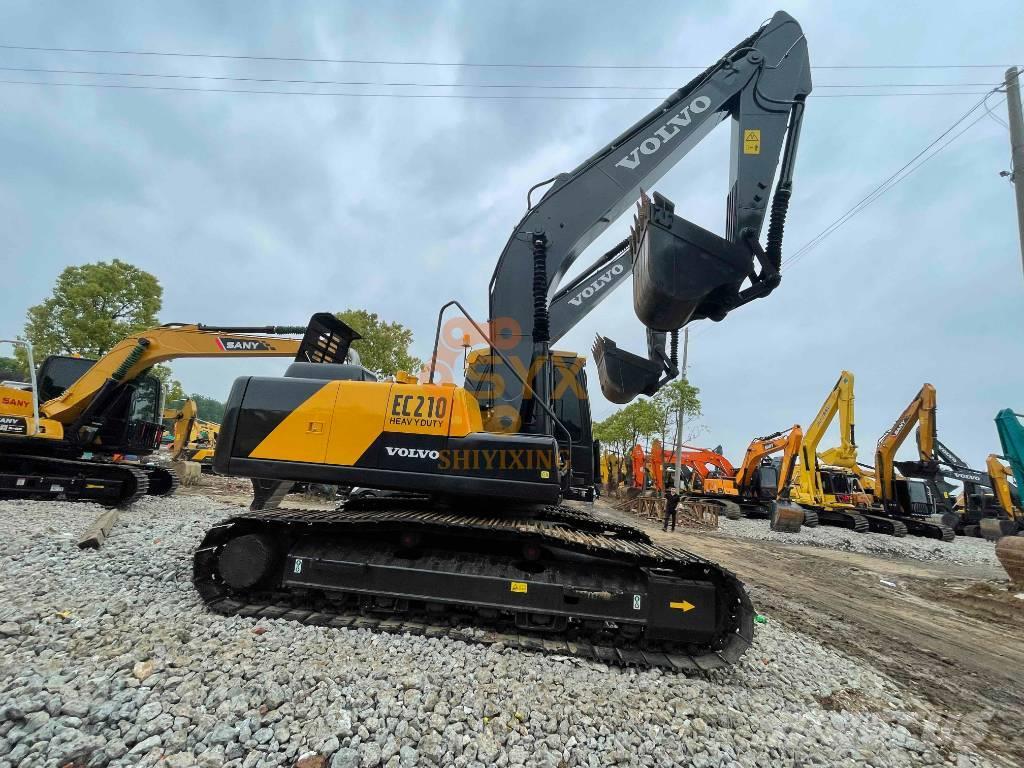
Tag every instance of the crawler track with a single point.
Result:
(24, 476)
(585, 559)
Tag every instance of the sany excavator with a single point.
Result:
(58, 438)
(913, 499)
(194, 439)
(482, 537)
(828, 485)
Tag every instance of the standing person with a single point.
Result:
(671, 502)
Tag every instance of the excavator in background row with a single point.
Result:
(194, 439)
(752, 489)
(980, 509)
(915, 499)
(1010, 549)
(481, 536)
(1011, 440)
(61, 436)
(828, 485)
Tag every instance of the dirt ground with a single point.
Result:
(950, 634)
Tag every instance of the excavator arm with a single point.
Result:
(839, 400)
(184, 423)
(1006, 494)
(135, 355)
(1011, 438)
(681, 271)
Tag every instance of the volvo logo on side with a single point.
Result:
(412, 453)
(666, 133)
(602, 280)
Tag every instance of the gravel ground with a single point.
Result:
(107, 658)
(962, 550)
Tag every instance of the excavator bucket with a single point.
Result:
(1010, 551)
(624, 375)
(786, 516)
(677, 265)
(994, 529)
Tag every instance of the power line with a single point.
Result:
(463, 96)
(539, 86)
(405, 62)
(892, 181)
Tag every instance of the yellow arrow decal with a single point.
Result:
(683, 606)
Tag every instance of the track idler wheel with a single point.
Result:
(1010, 551)
(786, 517)
(246, 561)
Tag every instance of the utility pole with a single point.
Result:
(679, 419)
(1016, 148)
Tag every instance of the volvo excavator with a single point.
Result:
(479, 534)
(61, 434)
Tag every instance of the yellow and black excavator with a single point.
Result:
(62, 435)
(760, 484)
(914, 498)
(1008, 496)
(194, 439)
(480, 536)
(829, 484)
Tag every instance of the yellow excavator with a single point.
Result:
(913, 498)
(63, 435)
(478, 534)
(829, 484)
(194, 439)
(1006, 492)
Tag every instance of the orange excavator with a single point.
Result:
(753, 489)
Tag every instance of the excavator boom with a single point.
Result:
(681, 271)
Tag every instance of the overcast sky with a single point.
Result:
(257, 209)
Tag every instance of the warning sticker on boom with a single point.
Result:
(13, 425)
(752, 141)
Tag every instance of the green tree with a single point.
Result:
(674, 401)
(92, 308)
(384, 348)
(209, 409)
(12, 369)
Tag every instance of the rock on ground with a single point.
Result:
(115, 662)
(961, 551)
